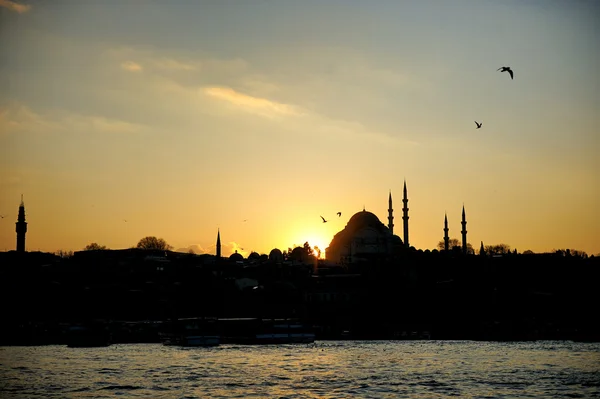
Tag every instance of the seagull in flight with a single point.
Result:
(339, 213)
(506, 69)
(324, 221)
(2, 216)
(478, 124)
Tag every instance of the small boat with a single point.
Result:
(192, 331)
(256, 331)
(88, 335)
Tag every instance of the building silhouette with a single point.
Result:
(464, 231)
(365, 237)
(218, 244)
(405, 216)
(446, 237)
(390, 214)
(21, 227)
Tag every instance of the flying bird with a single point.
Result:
(324, 221)
(2, 216)
(506, 69)
(478, 124)
(339, 213)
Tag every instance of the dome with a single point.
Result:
(364, 235)
(364, 219)
(236, 256)
(276, 255)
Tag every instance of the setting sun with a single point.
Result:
(316, 236)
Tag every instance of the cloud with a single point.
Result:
(232, 247)
(173, 64)
(131, 66)
(13, 6)
(257, 105)
(195, 248)
(19, 118)
(227, 248)
(167, 61)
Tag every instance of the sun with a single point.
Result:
(317, 235)
(319, 242)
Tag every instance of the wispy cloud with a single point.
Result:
(233, 247)
(18, 118)
(131, 66)
(194, 248)
(173, 64)
(14, 6)
(257, 105)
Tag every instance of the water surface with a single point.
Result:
(326, 369)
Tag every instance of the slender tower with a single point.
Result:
(21, 227)
(218, 244)
(390, 215)
(446, 238)
(481, 249)
(464, 231)
(405, 216)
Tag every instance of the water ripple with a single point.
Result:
(327, 369)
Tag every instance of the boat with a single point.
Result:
(88, 335)
(191, 331)
(265, 331)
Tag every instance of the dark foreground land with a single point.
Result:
(415, 295)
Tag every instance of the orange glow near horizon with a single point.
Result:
(257, 126)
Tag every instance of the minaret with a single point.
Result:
(390, 215)
(481, 249)
(464, 231)
(405, 217)
(446, 238)
(218, 244)
(21, 227)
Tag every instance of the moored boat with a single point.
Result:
(88, 335)
(193, 331)
(259, 331)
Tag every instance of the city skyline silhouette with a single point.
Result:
(176, 120)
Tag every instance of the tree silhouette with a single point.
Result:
(64, 254)
(94, 247)
(152, 242)
(498, 249)
(455, 243)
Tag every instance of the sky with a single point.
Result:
(178, 119)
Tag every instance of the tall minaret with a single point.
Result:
(464, 231)
(218, 243)
(390, 214)
(405, 217)
(446, 238)
(21, 227)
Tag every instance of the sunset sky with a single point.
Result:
(123, 119)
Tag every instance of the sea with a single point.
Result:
(323, 369)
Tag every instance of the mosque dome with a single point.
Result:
(236, 256)
(364, 235)
(364, 219)
(276, 255)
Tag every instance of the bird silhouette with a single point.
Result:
(478, 124)
(1, 216)
(339, 213)
(506, 69)
(324, 221)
